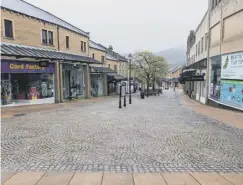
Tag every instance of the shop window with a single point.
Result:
(67, 41)
(27, 86)
(44, 36)
(8, 25)
(50, 37)
(215, 78)
(82, 46)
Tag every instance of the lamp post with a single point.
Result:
(130, 74)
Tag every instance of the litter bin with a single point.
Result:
(142, 94)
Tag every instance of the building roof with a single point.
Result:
(116, 76)
(176, 68)
(110, 57)
(94, 45)
(103, 69)
(23, 7)
(121, 58)
(21, 51)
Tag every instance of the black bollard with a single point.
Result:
(125, 103)
(120, 104)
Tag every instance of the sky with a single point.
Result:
(131, 25)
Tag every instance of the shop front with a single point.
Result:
(25, 82)
(97, 85)
(73, 80)
(226, 80)
(194, 79)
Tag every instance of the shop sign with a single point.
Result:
(231, 93)
(232, 66)
(13, 66)
(194, 78)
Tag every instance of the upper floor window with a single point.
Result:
(93, 56)
(202, 44)
(67, 41)
(102, 59)
(109, 65)
(196, 50)
(50, 37)
(198, 47)
(215, 3)
(115, 68)
(8, 25)
(84, 46)
(44, 36)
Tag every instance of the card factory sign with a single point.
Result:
(9, 66)
(232, 66)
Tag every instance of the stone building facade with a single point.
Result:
(217, 53)
(29, 36)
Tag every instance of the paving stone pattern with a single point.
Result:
(157, 134)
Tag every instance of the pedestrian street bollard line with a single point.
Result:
(120, 103)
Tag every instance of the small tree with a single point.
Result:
(150, 67)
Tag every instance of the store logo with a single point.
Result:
(27, 66)
(226, 62)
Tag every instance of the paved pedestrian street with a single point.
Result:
(157, 134)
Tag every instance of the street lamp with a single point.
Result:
(130, 75)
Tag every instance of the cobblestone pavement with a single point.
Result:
(157, 134)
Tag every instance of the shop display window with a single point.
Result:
(215, 78)
(26, 86)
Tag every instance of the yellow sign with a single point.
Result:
(25, 66)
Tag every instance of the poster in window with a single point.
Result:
(232, 93)
(232, 66)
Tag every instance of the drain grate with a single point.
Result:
(19, 114)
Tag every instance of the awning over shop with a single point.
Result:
(101, 70)
(116, 77)
(20, 51)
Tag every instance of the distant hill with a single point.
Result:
(175, 56)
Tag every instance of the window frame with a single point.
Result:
(202, 45)
(67, 42)
(102, 59)
(52, 42)
(82, 46)
(199, 48)
(12, 29)
(46, 35)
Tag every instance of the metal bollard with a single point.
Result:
(120, 103)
